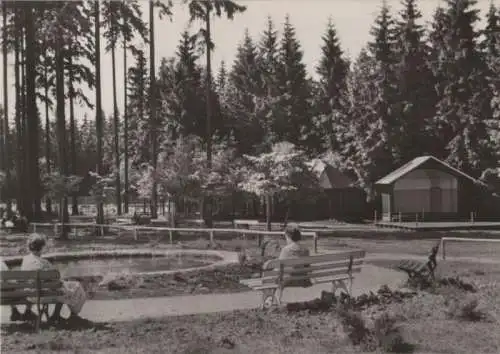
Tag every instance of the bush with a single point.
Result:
(388, 335)
(465, 309)
(355, 326)
(384, 334)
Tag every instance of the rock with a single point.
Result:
(406, 292)
(204, 290)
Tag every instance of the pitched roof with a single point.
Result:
(330, 177)
(417, 162)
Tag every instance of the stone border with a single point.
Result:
(226, 257)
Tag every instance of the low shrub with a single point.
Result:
(383, 334)
(388, 335)
(466, 309)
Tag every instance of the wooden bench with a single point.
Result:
(334, 268)
(421, 270)
(31, 287)
(141, 219)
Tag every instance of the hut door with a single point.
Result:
(436, 200)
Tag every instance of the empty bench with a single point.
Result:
(335, 268)
(31, 287)
(418, 270)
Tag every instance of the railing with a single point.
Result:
(462, 239)
(171, 230)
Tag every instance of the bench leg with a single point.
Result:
(339, 285)
(279, 295)
(268, 298)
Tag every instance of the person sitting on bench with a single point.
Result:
(74, 295)
(15, 315)
(294, 249)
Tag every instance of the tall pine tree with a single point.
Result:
(246, 96)
(416, 97)
(465, 99)
(332, 70)
(293, 121)
(138, 84)
(375, 128)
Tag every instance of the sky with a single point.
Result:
(353, 20)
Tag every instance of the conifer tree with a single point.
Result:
(333, 69)
(465, 100)
(416, 97)
(246, 83)
(293, 121)
(138, 83)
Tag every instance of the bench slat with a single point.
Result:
(29, 274)
(324, 258)
(311, 275)
(30, 293)
(318, 267)
(24, 301)
(11, 285)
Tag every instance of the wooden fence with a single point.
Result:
(463, 239)
(135, 229)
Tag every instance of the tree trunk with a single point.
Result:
(5, 137)
(117, 134)
(48, 201)
(61, 129)
(18, 119)
(26, 208)
(208, 201)
(32, 118)
(74, 197)
(172, 211)
(152, 107)
(98, 116)
(125, 126)
(268, 212)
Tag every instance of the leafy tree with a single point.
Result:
(60, 187)
(282, 170)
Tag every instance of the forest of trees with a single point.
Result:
(413, 90)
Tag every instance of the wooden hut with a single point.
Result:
(429, 189)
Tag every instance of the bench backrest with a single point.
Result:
(314, 267)
(18, 284)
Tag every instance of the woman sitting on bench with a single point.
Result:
(14, 312)
(294, 249)
(74, 294)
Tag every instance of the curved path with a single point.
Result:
(397, 257)
(370, 278)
